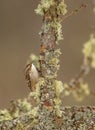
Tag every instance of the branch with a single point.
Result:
(73, 118)
(19, 123)
(77, 86)
(47, 113)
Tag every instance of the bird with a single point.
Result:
(32, 68)
(31, 76)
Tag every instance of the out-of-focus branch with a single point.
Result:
(77, 86)
(74, 11)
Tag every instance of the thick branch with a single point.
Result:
(19, 123)
(73, 118)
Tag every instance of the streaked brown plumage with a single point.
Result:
(31, 75)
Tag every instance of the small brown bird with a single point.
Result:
(32, 76)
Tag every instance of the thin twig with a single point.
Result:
(73, 12)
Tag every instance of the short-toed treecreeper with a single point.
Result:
(31, 72)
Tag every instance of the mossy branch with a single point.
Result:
(73, 118)
(47, 113)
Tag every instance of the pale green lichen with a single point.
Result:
(58, 29)
(81, 91)
(55, 9)
(24, 105)
(58, 87)
(35, 94)
(61, 8)
(67, 90)
(44, 6)
(5, 115)
(52, 59)
(58, 111)
(89, 50)
(19, 106)
(34, 111)
(58, 52)
(78, 90)
(19, 126)
(41, 82)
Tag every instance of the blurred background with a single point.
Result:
(19, 28)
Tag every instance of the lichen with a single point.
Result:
(44, 6)
(89, 50)
(5, 115)
(42, 109)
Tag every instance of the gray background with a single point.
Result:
(19, 27)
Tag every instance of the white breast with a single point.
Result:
(34, 73)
